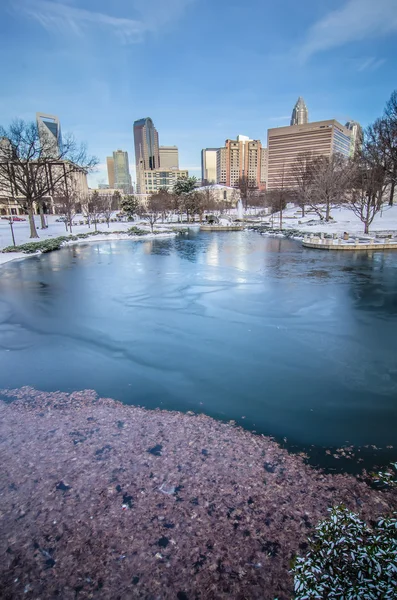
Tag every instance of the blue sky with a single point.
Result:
(204, 70)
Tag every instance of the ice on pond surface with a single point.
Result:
(301, 343)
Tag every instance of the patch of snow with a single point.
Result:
(343, 219)
(55, 229)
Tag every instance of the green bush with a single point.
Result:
(348, 560)
(40, 246)
(49, 245)
(136, 231)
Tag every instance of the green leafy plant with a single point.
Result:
(136, 231)
(349, 560)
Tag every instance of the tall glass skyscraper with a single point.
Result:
(147, 156)
(300, 114)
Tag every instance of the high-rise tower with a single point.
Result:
(147, 156)
(300, 114)
(356, 136)
(122, 177)
(50, 132)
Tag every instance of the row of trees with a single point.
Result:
(69, 202)
(184, 199)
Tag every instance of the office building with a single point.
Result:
(208, 165)
(169, 158)
(147, 155)
(356, 137)
(110, 167)
(284, 144)
(238, 159)
(264, 167)
(156, 179)
(49, 128)
(300, 114)
(122, 177)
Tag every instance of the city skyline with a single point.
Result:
(88, 53)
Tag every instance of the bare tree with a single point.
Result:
(86, 208)
(384, 132)
(31, 169)
(247, 188)
(330, 183)
(302, 176)
(165, 201)
(369, 181)
(68, 199)
(95, 208)
(107, 207)
(152, 211)
(209, 196)
(277, 197)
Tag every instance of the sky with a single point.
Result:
(203, 70)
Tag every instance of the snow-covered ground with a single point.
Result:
(343, 220)
(55, 229)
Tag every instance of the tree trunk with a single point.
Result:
(42, 217)
(95, 223)
(327, 212)
(303, 210)
(108, 223)
(32, 224)
(366, 227)
(66, 224)
(393, 187)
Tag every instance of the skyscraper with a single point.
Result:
(356, 136)
(147, 156)
(49, 129)
(300, 114)
(169, 158)
(208, 165)
(286, 143)
(110, 166)
(122, 177)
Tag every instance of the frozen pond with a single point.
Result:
(289, 342)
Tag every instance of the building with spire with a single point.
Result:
(300, 114)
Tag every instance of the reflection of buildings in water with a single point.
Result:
(212, 254)
(148, 247)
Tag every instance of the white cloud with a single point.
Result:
(371, 64)
(65, 18)
(355, 21)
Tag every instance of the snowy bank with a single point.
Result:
(6, 257)
(343, 220)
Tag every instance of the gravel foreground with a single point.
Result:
(103, 500)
